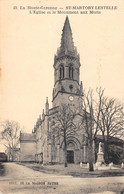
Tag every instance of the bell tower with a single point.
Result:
(67, 87)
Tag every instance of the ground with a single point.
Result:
(20, 179)
(77, 171)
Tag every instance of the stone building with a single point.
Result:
(13, 154)
(27, 147)
(41, 145)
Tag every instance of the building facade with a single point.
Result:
(27, 147)
(67, 90)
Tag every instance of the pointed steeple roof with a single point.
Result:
(81, 88)
(47, 106)
(67, 45)
(67, 40)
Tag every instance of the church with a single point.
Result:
(40, 145)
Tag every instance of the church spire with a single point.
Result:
(67, 40)
(47, 106)
(67, 45)
(81, 88)
(66, 69)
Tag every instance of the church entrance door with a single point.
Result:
(70, 156)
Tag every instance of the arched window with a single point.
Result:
(71, 72)
(61, 72)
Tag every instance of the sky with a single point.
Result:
(29, 43)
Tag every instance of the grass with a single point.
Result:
(74, 170)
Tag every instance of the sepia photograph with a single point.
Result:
(61, 97)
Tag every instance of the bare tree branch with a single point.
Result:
(10, 134)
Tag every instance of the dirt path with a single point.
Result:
(20, 179)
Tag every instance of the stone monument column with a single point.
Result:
(100, 155)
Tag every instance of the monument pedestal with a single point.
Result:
(100, 158)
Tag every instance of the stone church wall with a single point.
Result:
(28, 151)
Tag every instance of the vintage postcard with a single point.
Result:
(61, 96)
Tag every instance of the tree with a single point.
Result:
(90, 114)
(111, 122)
(65, 125)
(10, 135)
